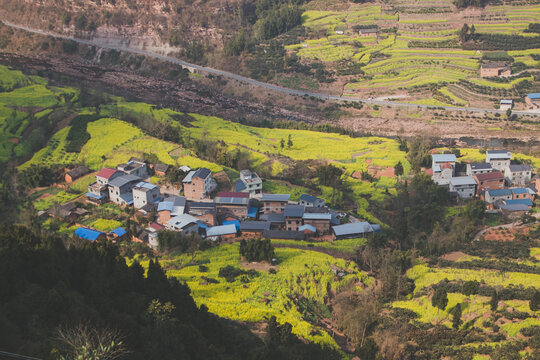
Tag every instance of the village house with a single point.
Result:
(249, 182)
(518, 175)
(506, 104)
(368, 32)
(493, 180)
(443, 168)
(311, 201)
(232, 204)
(170, 207)
(277, 221)
(97, 193)
(199, 184)
(204, 211)
(117, 234)
(293, 217)
(89, 234)
(120, 189)
(274, 203)
(478, 168)
(144, 194)
(514, 211)
(135, 167)
(525, 202)
(68, 212)
(320, 221)
(495, 69)
(499, 159)
(284, 235)
(254, 228)
(497, 195)
(107, 174)
(161, 169)
(522, 193)
(181, 222)
(353, 230)
(76, 173)
(463, 186)
(221, 232)
(533, 101)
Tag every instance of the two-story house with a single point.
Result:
(145, 193)
(320, 221)
(293, 217)
(499, 159)
(232, 204)
(518, 175)
(443, 168)
(120, 189)
(492, 180)
(522, 193)
(463, 186)
(135, 167)
(310, 201)
(170, 207)
(492, 196)
(199, 184)
(274, 203)
(249, 182)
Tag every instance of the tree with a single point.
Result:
(282, 144)
(289, 142)
(534, 303)
(83, 342)
(456, 316)
(494, 301)
(464, 33)
(369, 350)
(470, 288)
(439, 299)
(398, 169)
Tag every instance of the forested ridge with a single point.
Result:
(54, 295)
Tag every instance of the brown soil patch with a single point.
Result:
(508, 234)
(357, 175)
(44, 196)
(259, 266)
(378, 171)
(453, 256)
(358, 154)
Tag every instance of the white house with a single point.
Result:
(463, 186)
(249, 182)
(506, 104)
(499, 159)
(145, 193)
(518, 175)
(478, 168)
(443, 167)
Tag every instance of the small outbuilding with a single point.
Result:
(76, 173)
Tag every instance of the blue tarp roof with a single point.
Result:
(534, 96)
(87, 234)
(252, 212)
(119, 231)
(94, 196)
(307, 227)
(236, 223)
(527, 202)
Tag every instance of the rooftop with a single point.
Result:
(520, 190)
(284, 234)
(307, 227)
(275, 197)
(507, 102)
(232, 194)
(78, 171)
(181, 221)
(317, 216)
(202, 173)
(499, 192)
(490, 176)
(352, 228)
(106, 173)
(144, 186)
(221, 230)
(520, 167)
(123, 180)
(273, 217)
(534, 96)
(87, 234)
(480, 166)
(231, 200)
(294, 211)
(494, 65)
(527, 202)
(119, 231)
(462, 180)
(254, 225)
(438, 158)
(309, 198)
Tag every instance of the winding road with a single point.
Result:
(246, 80)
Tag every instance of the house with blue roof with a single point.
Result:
(533, 100)
(522, 193)
(493, 195)
(526, 202)
(118, 233)
(89, 234)
(144, 194)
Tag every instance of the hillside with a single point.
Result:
(419, 53)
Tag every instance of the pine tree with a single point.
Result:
(494, 302)
(456, 316)
(534, 303)
(440, 299)
(398, 169)
(282, 144)
(289, 142)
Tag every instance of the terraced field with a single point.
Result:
(417, 48)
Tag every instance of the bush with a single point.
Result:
(257, 250)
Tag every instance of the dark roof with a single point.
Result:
(499, 192)
(161, 167)
(202, 173)
(232, 194)
(284, 234)
(275, 197)
(494, 65)
(520, 167)
(254, 225)
(309, 198)
(480, 166)
(221, 200)
(273, 217)
(294, 211)
(123, 180)
(489, 176)
(239, 186)
(78, 172)
(200, 205)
